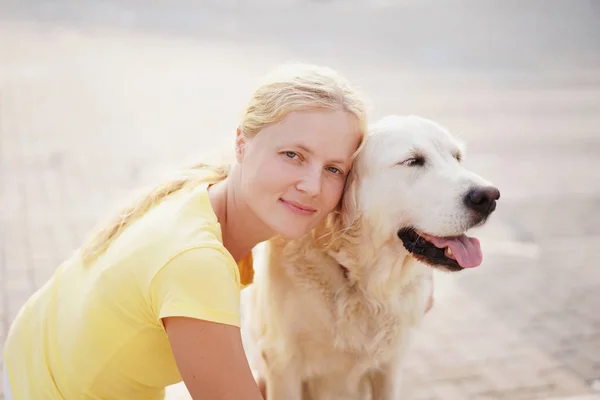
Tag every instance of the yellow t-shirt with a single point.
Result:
(95, 332)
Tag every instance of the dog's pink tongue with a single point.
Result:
(466, 250)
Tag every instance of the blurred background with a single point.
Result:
(100, 97)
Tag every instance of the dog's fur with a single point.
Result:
(330, 314)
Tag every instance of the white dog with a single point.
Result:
(330, 314)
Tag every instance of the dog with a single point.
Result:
(330, 314)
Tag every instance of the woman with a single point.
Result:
(153, 297)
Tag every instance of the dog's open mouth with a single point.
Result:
(452, 253)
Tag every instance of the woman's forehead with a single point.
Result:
(331, 133)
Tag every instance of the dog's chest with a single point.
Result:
(356, 328)
(349, 325)
(369, 330)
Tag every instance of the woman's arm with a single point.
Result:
(211, 359)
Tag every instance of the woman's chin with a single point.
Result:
(290, 234)
(291, 231)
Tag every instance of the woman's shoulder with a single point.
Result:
(186, 219)
(182, 222)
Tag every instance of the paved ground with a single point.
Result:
(99, 97)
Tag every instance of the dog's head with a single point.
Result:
(408, 185)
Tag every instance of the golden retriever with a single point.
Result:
(329, 315)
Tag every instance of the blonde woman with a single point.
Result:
(153, 297)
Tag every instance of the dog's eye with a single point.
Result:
(418, 161)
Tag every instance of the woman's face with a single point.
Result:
(293, 172)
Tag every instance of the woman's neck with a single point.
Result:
(240, 227)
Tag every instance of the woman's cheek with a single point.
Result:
(279, 170)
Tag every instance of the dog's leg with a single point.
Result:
(283, 384)
(337, 387)
(386, 382)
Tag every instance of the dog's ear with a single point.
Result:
(348, 208)
(343, 224)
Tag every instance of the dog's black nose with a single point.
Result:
(482, 199)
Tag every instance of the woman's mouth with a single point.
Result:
(298, 208)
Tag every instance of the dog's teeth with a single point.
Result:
(448, 252)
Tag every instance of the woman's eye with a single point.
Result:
(334, 170)
(291, 154)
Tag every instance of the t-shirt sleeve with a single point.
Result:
(198, 283)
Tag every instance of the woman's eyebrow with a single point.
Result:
(310, 151)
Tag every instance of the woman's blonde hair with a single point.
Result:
(286, 89)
